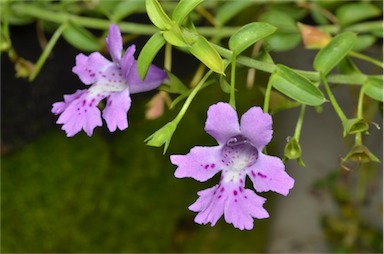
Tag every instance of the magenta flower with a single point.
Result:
(114, 81)
(238, 154)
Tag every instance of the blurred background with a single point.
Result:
(112, 193)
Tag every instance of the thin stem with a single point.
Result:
(267, 97)
(358, 136)
(366, 58)
(232, 98)
(127, 27)
(168, 57)
(47, 50)
(191, 96)
(332, 98)
(299, 123)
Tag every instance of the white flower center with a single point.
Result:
(239, 153)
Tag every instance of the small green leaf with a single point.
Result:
(81, 38)
(162, 136)
(225, 86)
(175, 85)
(248, 35)
(175, 37)
(157, 15)
(148, 53)
(126, 8)
(329, 56)
(347, 67)
(204, 51)
(355, 12)
(355, 125)
(183, 8)
(296, 86)
(374, 88)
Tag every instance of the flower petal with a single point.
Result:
(115, 112)
(209, 205)
(128, 60)
(242, 206)
(90, 68)
(201, 163)
(81, 113)
(222, 122)
(154, 78)
(257, 127)
(59, 107)
(114, 43)
(268, 173)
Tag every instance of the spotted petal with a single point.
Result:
(209, 207)
(115, 112)
(154, 78)
(222, 122)
(59, 107)
(114, 43)
(201, 163)
(240, 209)
(81, 113)
(257, 127)
(268, 173)
(90, 68)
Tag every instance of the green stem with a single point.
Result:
(232, 99)
(332, 98)
(191, 96)
(358, 136)
(126, 27)
(366, 58)
(299, 123)
(355, 79)
(47, 50)
(267, 97)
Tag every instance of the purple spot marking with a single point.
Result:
(92, 75)
(235, 193)
(240, 189)
(253, 173)
(235, 200)
(219, 197)
(212, 165)
(206, 166)
(222, 189)
(261, 175)
(84, 101)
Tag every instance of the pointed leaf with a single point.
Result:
(204, 51)
(148, 53)
(296, 86)
(81, 38)
(230, 9)
(157, 15)
(183, 8)
(175, 85)
(248, 35)
(374, 88)
(329, 56)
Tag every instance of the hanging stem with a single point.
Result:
(332, 98)
(47, 50)
(267, 97)
(366, 58)
(299, 123)
(232, 98)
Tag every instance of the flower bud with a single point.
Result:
(312, 37)
(162, 136)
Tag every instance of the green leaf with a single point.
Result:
(296, 86)
(364, 41)
(225, 86)
(175, 37)
(374, 88)
(230, 9)
(148, 53)
(355, 12)
(347, 67)
(175, 85)
(81, 38)
(248, 35)
(329, 56)
(183, 8)
(162, 136)
(157, 15)
(204, 51)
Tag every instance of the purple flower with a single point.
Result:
(238, 154)
(114, 81)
